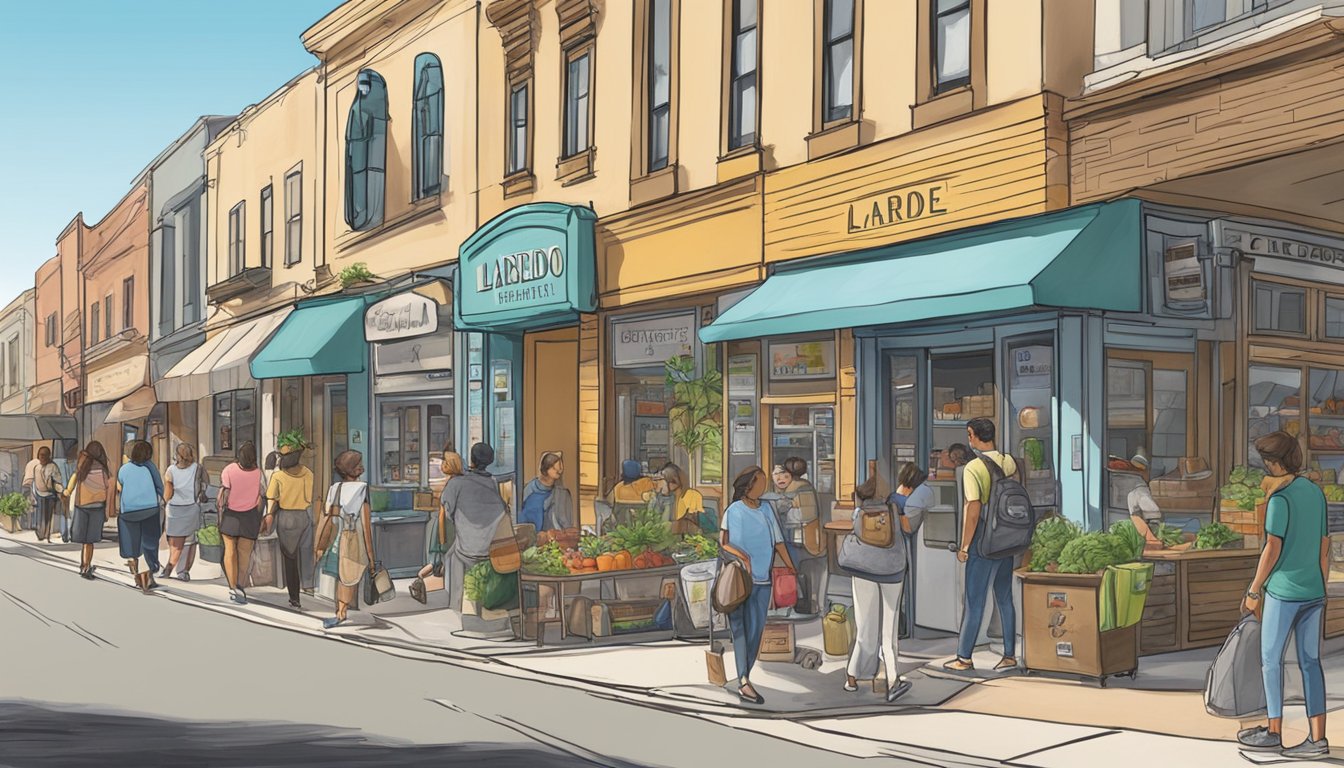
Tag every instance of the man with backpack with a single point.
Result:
(996, 523)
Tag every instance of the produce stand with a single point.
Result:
(1195, 598)
(536, 615)
(1062, 632)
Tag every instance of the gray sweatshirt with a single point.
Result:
(473, 504)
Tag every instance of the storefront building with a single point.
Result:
(17, 334)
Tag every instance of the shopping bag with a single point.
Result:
(1234, 687)
(732, 582)
(378, 588)
(784, 587)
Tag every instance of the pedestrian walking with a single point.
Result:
(184, 491)
(139, 517)
(473, 505)
(878, 579)
(752, 528)
(431, 576)
(239, 506)
(290, 504)
(47, 485)
(348, 508)
(1289, 588)
(91, 497)
(983, 573)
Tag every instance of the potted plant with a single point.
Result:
(696, 415)
(12, 507)
(356, 275)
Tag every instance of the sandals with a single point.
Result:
(1007, 662)
(145, 581)
(418, 591)
(750, 698)
(959, 664)
(332, 622)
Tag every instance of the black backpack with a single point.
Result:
(1008, 517)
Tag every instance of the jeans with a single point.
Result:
(982, 574)
(1305, 619)
(140, 538)
(748, 625)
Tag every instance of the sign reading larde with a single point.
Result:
(117, 380)
(652, 342)
(401, 317)
(530, 267)
(897, 206)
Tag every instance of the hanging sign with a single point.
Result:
(401, 317)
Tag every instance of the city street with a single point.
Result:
(98, 674)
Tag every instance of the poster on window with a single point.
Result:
(1033, 367)
(420, 354)
(792, 361)
(742, 375)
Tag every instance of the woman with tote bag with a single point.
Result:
(91, 503)
(348, 509)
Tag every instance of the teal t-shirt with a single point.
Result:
(1296, 514)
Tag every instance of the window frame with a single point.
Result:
(1308, 320)
(266, 224)
(515, 166)
(128, 303)
(828, 42)
(934, 104)
(13, 352)
(95, 323)
(572, 111)
(648, 183)
(1323, 331)
(733, 141)
(939, 87)
(421, 186)
(656, 111)
(370, 107)
(50, 327)
(232, 397)
(237, 238)
(107, 316)
(294, 219)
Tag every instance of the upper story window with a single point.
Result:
(578, 81)
(127, 303)
(1278, 308)
(951, 44)
(427, 126)
(237, 243)
(659, 83)
(94, 325)
(293, 216)
(50, 330)
(518, 146)
(366, 152)
(1178, 24)
(743, 62)
(107, 316)
(267, 225)
(167, 317)
(838, 61)
(12, 359)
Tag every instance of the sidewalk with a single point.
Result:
(1070, 723)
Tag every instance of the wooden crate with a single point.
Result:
(1158, 628)
(1214, 591)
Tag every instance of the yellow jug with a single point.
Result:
(837, 631)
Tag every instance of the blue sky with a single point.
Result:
(97, 88)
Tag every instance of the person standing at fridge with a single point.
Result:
(982, 573)
(1289, 586)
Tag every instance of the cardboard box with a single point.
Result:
(777, 643)
(977, 406)
(942, 396)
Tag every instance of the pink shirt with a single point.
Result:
(244, 487)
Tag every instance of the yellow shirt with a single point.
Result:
(633, 492)
(690, 503)
(292, 492)
(975, 478)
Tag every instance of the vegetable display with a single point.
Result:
(641, 545)
(1169, 535)
(1215, 536)
(1243, 488)
(1049, 540)
(1134, 541)
(1092, 552)
(699, 547)
(648, 532)
(548, 560)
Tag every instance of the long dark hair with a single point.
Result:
(742, 483)
(141, 452)
(94, 455)
(247, 456)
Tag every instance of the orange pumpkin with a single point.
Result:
(642, 560)
(606, 563)
(624, 561)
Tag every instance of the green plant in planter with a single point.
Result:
(13, 505)
(355, 273)
(293, 440)
(696, 415)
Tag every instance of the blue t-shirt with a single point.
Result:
(755, 532)
(534, 507)
(141, 486)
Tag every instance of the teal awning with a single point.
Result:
(321, 337)
(1086, 258)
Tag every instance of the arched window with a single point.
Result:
(366, 153)
(427, 144)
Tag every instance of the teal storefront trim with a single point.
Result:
(319, 338)
(530, 267)
(1085, 258)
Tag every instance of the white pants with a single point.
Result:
(876, 608)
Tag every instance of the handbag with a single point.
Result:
(784, 587)
(875, 528)
(326, 533)
(732, 583)
(379, 589)
(505, 554)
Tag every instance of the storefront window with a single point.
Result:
(703, 403)
(1274, 395)
(669, 395)
(963, 389)
(235, 420)
(1326, 421)
(1279, 308)
(1027, 428)
(806, 432)
(1334, 317)
(642, 405)
(291, 405)
(904, 413)
(1148, 436)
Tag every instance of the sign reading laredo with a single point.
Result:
(530, 267)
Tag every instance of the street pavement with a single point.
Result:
(96, 673)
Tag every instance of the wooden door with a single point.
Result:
(551, 405)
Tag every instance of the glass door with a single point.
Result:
(1028, 432)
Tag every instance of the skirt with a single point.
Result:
(184, 520)
(241, 525)
(87, 525)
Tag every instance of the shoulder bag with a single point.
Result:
(732, 583)
(505, 554)
(326, 532)
(379, 588)
(857, 554)
(875, 527)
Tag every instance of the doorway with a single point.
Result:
(551, 408)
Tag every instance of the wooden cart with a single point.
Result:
(1062, 631)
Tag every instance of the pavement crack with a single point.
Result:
(100, 639)
(25, 607)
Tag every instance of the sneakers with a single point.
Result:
(1259, 739)
(1308, 750)
(184, 576)
(239, 597)
(897, 691)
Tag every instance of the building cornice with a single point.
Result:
(359, 21)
